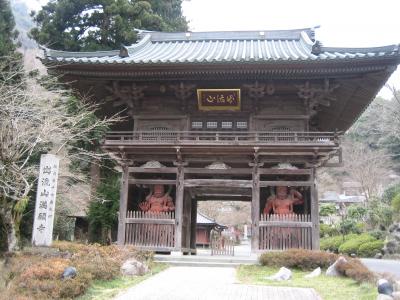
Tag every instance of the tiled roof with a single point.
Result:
(202, 219)
(222, 47)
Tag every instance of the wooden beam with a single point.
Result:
(180, 178)
(152, 181)
(244, 199)
(305, 153)
(123, 204)
(282, 117)
(285, 224)
(314, 213)
(218, 183)
(152, 170)
(285, 171)
(285, 183)
(150, 221)
(233, 196)
(232, 171)
(333, 165)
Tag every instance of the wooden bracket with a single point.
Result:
(128, 95)
(316, 95)
(183, 91)
(257, 91)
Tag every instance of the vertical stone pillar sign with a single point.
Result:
(45, 201)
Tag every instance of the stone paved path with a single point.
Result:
(205, 283)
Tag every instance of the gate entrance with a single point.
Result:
(222, 245)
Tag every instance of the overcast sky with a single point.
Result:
(343, 23)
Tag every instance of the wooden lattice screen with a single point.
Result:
(281, 232)
(155, 231)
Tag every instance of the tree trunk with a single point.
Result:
(12, 241)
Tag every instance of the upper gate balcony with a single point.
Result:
(217, 138)
(314, 145)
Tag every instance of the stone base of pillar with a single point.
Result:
(176, 253)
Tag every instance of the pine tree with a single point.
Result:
(89, 25)
(7, 32)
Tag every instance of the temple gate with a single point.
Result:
(245, 116)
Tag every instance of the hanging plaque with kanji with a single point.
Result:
(218, 99)
(45, 201)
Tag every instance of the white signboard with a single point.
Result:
(45, 201)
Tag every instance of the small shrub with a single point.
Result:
(348, 226)
(298, 258)
(48, 269)
(327, 230)
(396, 203)
(351, 246)
(354, 269)
(378, 234)
(77, 286)
(369, 249)
(327, 209)
(333, 243)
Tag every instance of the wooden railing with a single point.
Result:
(281, 232)
(201, 137)
(153, 231)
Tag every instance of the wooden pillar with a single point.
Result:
(180, 177)
(123, 204)
(187, 216)
(314, 212)
(255, 207)
(193, 224)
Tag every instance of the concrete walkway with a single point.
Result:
(204, 283)
(383, 266)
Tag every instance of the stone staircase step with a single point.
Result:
(200, 264)
(193, 260)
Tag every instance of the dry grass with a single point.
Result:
(36, 273)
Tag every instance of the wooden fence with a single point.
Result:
(153, 231)
(222, 245)
(281, 232)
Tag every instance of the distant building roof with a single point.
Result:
(351, 184)
(202, 219)
(331, 196)
(223, 47)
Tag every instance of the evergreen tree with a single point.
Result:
(89, 25)
(7, 32)
(9, 59)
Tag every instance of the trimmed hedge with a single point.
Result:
(370, 249)
(298, 258)
(310, 259)
(352, 245)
